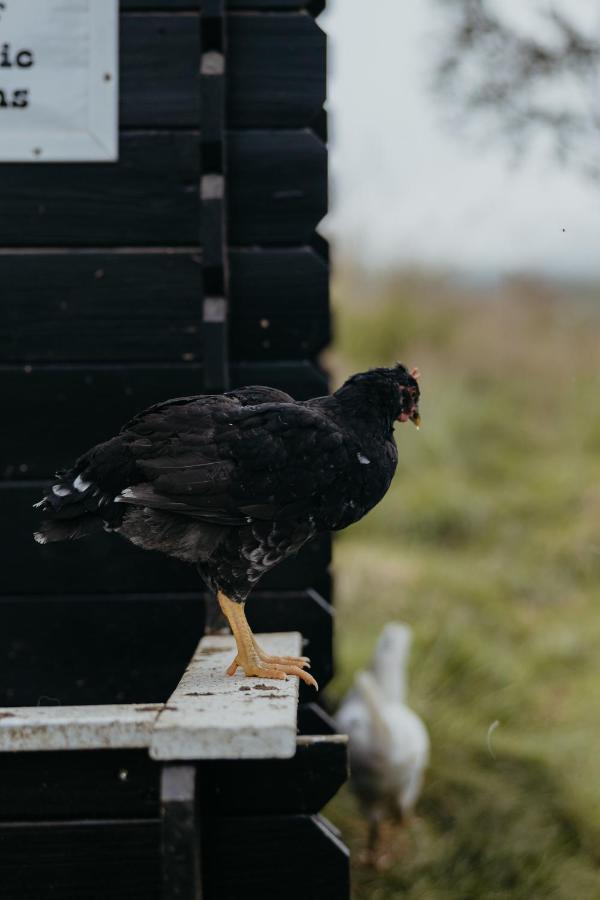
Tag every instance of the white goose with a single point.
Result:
(388, 742)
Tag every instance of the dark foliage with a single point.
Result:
(524, 85)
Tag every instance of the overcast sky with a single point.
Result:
(406, 190)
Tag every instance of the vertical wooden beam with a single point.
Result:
(214, 196)
(181, 851)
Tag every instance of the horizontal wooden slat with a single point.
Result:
(80, 860)
(125, 784)
(159, 70)
(133, 305)
(100, 306)
(300, 852)
(113, 726)
(275, 65)
(150, 196)
(99, 649)
(302, 784)
(98, 784)
(278, 183)
(277, 186)
(275, 69)
(279, 304)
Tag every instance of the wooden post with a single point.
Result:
(214, 200)
(181, 855)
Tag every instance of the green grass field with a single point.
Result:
(488, 544)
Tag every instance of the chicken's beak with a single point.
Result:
(415, 418)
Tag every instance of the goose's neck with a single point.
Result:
(391, 676)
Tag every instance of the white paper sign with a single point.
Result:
(58, 80)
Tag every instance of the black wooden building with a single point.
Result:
(189, 265)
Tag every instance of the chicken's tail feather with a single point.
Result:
(74, 507)
(71, 530)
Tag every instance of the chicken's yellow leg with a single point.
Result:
(249, 656)
(303, 662)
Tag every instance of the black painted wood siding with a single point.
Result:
(104, 273)
(90, 828)
(101, 300)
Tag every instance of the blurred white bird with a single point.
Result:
(388, 742)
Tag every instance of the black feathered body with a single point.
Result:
(233, 483)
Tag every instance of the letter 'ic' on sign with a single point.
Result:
(58, 80)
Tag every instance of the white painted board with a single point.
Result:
(213, 716)
(76, 727)
(58, 80)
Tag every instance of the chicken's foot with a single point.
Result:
(302, 661)
(254, 661)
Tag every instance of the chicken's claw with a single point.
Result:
(258, 668)
(302, 662)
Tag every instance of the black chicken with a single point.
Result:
(238, 482)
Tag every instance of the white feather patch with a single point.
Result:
(39, 537)
(363, 459)
(60, 491)
(80, 485)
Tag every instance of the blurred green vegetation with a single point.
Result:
(488, 544)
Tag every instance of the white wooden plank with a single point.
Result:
(106, 727)
(214, 716)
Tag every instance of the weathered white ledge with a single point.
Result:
(213, 716)
(77, 727)
(209, 716)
